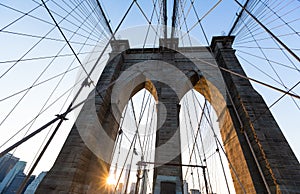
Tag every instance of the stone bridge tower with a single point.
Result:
(261, 159)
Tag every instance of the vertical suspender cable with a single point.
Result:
(174, 18)
(165, 19)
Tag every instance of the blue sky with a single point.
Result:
(218, 22)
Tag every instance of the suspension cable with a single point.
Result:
(217, 150)
(249, 78)
(270, 64)
(269, 32)
(230, 164)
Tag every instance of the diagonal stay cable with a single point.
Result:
(269, 32)
(67, 41)
(200, 135)
(37, 84)
(131, 146)
(45, 38)
(75, 24)
(185, 23)
(263, 72)
(120, 132)
(60, 81)
(286, 56)
(22, 16)
(52, 56)
(200, 24)
(187, 136)
(275, 102)
(272, 61)
(237, 42)
(201, 117)
(149, 141)
(223, 150)
(285, 14)
(217, 150)
(196, 135)
(56, 100)
(249, 78)
(245, 38)
(48, 133)
(40, 19)
(62, 117)
(41, 128)
(70, 108)
(149, 25)
(147, 127)
(145, 16)
(105, 18)
(260, 70)
(267, 48)
(206, 14)
(268, 61)
(280, 17)
(86, 24)
(155, 8)
(27, 91)
(28, 51)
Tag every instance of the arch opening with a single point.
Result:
(200, 138)
(131, 148)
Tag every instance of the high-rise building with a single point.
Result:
(14, 186)
(7, 162)
(19, 167)
(35, 183)
(14, 178)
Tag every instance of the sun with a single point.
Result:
(111, 180)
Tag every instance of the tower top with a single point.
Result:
(219, 42)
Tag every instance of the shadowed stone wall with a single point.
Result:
(259, 155)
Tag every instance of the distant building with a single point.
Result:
(7, 162)
(132, 188)
(185, 187)
(195, 191)
(35, 183)
(14, 178)
(16, 183)
(19, 167)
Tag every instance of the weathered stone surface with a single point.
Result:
(168, 75)
(275, 157)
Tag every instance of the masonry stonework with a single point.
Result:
(260, 157)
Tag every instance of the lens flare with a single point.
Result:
(111, 180)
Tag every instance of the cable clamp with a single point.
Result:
(86, 82)
(62, 116)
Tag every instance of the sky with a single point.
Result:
(16, 45)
